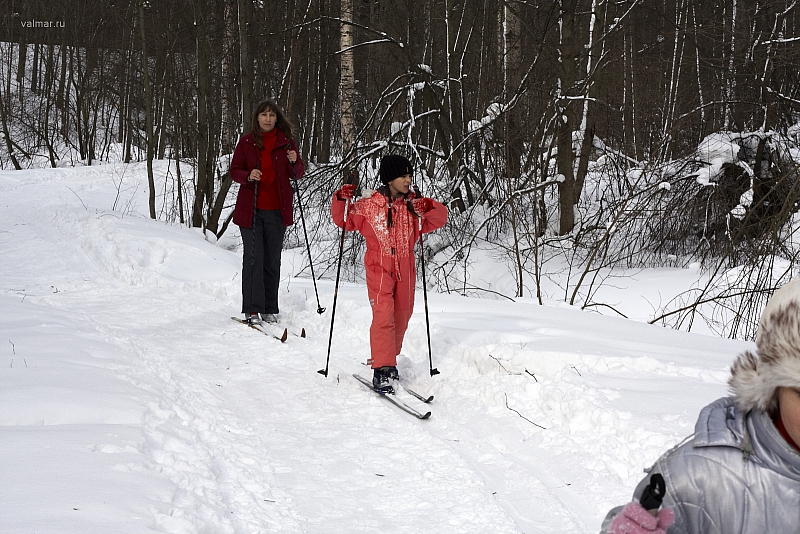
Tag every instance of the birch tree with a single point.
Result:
(586, 129)
(347, 79)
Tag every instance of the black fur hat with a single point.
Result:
(394, 166)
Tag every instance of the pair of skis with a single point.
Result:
(397, 402)
(271, 330)
(282, 336)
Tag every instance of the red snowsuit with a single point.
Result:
(389, 262)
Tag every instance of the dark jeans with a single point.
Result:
(261, 264)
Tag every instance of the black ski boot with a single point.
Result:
(382, 377)
(253, 319)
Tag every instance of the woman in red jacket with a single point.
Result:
(262, 163)
(391, 220)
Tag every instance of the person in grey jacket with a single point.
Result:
(740, 471)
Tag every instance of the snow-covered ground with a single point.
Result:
(132, 403)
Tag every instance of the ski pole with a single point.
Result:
(320, 309)
(425, 294)
(324, 372)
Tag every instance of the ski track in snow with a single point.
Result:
(543, 418)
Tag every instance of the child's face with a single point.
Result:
(789, 402)
(399, 186)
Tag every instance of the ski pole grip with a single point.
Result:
(653, 494)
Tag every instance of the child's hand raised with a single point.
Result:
(422, 205)
(346, 192)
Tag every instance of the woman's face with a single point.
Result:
(399, 186)
(789, 402)
(267, 119)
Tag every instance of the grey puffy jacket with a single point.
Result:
(736, 475)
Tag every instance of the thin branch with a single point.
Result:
(519, 414)
(698, 302)
(79, 198)
(476, 288)
(503, 366)
(598, 304)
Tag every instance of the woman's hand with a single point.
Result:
(255, 175)
(292, 155)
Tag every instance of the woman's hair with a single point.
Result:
(282, 123)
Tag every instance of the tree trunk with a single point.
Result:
(674, 79)
(513, 133)
(730, 72)
(219, 204)
(245, 67)
(347, 74)
(565, 121)
(35, 69)
(586, 136)
(512, 79)
(227, 101)
(148, 111)
(21, 62)
(700, 97)
(327, 113)
(128, 126)
(62, 80)
(7, 134)
(202, 188)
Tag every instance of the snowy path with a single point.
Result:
(133, 402)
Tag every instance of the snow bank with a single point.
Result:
(133, 402)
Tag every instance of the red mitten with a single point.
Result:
(422, 205)
(633, 519)
(346, 192)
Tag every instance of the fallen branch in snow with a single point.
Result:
(79, 198)
(600, 304)
(476, 288)
(501, 365)
(519, 414)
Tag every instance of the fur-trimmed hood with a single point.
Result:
(755, 378)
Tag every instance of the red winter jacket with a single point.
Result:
(390, 250)
(247, 157)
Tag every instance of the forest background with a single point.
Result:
(575, 141)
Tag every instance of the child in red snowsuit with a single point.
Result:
(391, 220)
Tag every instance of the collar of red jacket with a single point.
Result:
(280, 137)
